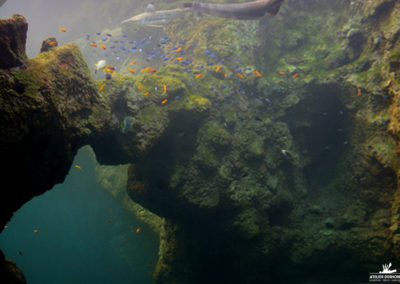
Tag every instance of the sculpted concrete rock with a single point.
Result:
(12, 46)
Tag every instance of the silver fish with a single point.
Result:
(156, 18)
(242, 11)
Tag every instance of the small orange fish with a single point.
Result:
(101, 89)
(145, 69)
(152, 71)
(52, 43)
(218, 68)
(179, 49)
(146, 94)
(282, 72)
(257, 73)
(165, 88)
(35, 231)
(239, 75)
(131, 70)
(225, 75)
(164, 101)
(358, 91)
(63, 30)
(133, 62)
(113, 74)
(179, 58)
(103, 46)
(78, 167)
(139, 87)
(93, 44)
(198, 75)
(295, 75)
(138, 230)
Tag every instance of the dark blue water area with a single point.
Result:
(83, 235)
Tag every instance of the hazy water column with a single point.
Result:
(79, 239)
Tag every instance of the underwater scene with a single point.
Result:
(214, 141)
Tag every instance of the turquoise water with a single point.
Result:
(79, 239)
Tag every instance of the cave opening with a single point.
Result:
(319, 125)
(79, 233)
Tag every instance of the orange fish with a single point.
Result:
(225, 75)
(52, 43)
(198, 75)
(131, 70)
(133, 62)
(257, 73)
(138, 230)
(139, 87)
(218, 68)
(179, 49)
(113, 74)
(78, 167)
(103, 46)
(295, 75)
(63, 30)
(146, 94)
(239, 75)
(358, 91)
(179, 58)
(145, 69)
(101, 89)
(165, 88)
(93, 44)
(164, 101)
(35, 231)
(282, 73)
(152, 71)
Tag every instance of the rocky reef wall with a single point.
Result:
(282, 159)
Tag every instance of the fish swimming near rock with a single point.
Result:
(128, 121)
(100, 65)
(156, 18)
(241, 11)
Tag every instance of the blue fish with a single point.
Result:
(207, 51)
(175, 47)
(125, 36)
(108, 76)
(182, 41)
(87, 36)
(104, 38)
(128, 121)
(98, 33)
(110, 35)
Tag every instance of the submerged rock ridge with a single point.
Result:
(49, 109)
(279, 160)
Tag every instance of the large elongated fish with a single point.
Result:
(156, 18)
(243, 11)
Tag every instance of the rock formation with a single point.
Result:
(282, 161)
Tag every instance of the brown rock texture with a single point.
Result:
(12, 41)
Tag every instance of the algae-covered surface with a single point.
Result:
(260, 151)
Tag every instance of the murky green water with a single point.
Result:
(83, 235)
